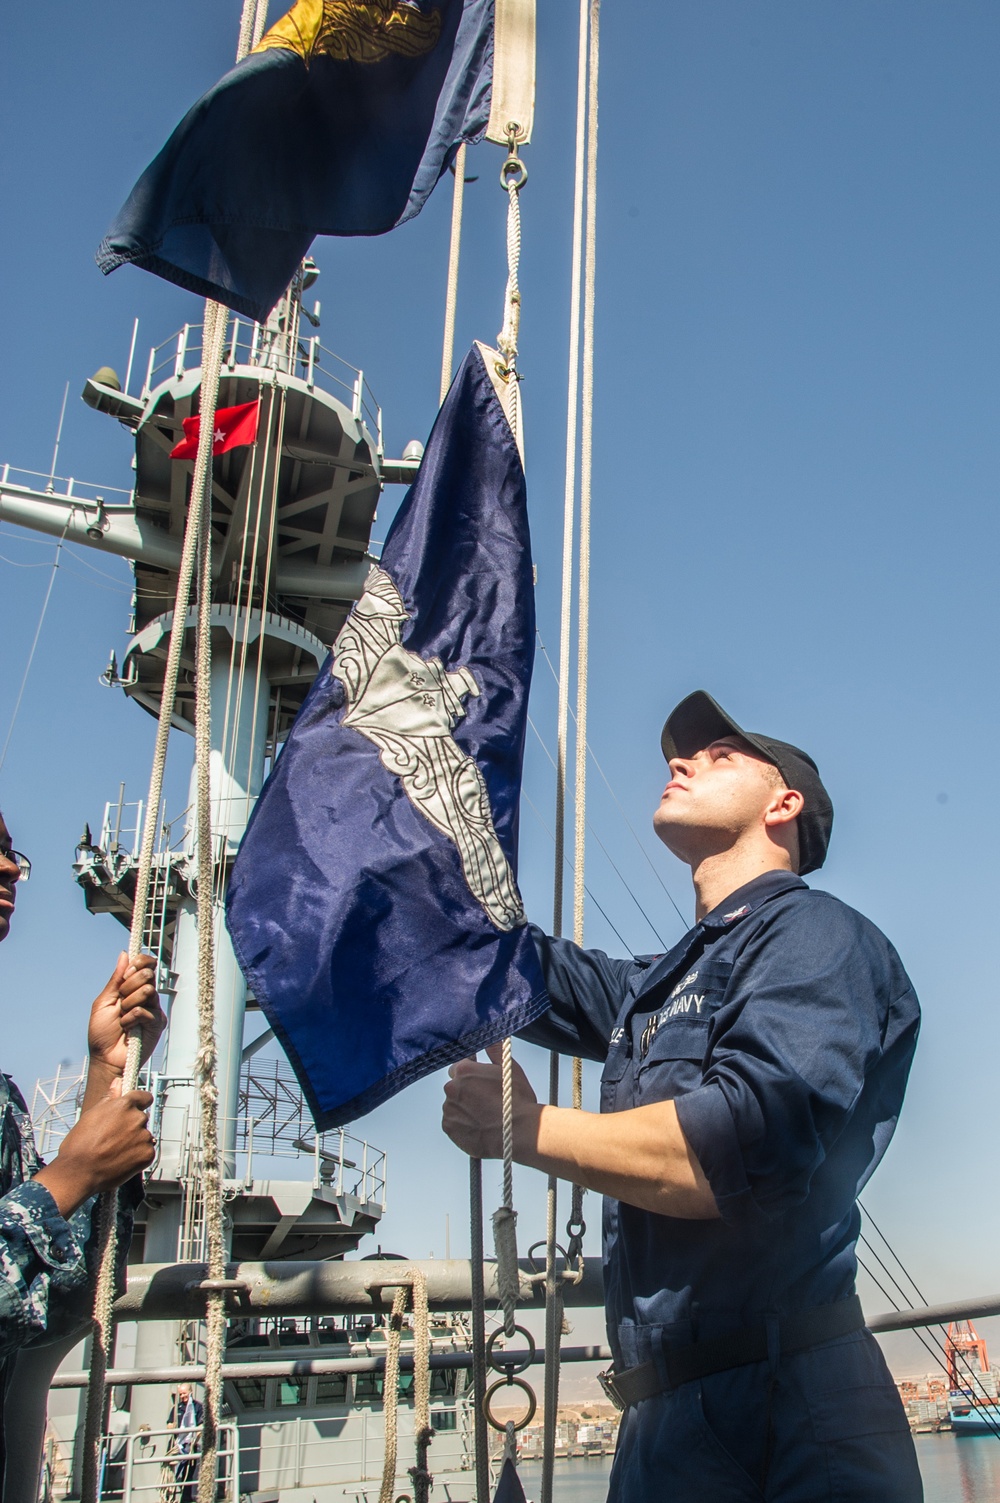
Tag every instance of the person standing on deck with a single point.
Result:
(48, 1242)
(752, 1080)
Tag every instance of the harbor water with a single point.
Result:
(954, 1471)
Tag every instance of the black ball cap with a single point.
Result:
(698, 721)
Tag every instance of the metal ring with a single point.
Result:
(529, 1394)
(510, 1367)
(507, 173)
(535, 1265)
(576, 1228)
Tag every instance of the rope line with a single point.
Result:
(505, 1219)
(512, 177)
(569, 492)
(108, 1207)
(586, 475)
(451, 296)
(477, 1321)
(424, 1434)
(390, 1395)
(207, 1060)
(585, 149)
(553, 1308)
(415, 1283)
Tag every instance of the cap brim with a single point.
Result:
(698, 721)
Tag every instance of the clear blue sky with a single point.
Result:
(796, 476)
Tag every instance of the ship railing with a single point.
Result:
(148, 1464)
(254, 344)
(55, 1106)
(121, 825)
(266, 1147)
(288, 1454)
(67, 488)
(284, 1453)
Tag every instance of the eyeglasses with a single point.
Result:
(21, 862)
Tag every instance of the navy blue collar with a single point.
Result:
(736, 907)
(748, 898)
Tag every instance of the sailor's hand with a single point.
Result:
(129, 1001)
(108, 1145)
(473, 1107)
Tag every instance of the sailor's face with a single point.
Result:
(713, 797)
(9, 873)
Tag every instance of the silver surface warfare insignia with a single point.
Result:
(408, 707)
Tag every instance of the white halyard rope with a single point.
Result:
(477, 1320)
(206, 1067)
(585, 193)
(586, 471)
(569, 493)
(553, 1303)
(451, 298)
(586, 474)
(215, 319)
(513, 176)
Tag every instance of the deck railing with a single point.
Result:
(257, 346)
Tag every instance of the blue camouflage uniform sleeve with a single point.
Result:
(48, 1265)
(586, 991)
(37, 1249)
(818, 1004)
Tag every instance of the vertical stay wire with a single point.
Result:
(34, 644)
(931, 1343)
(614, 867)
(631, 828)
(627, 948)
(992, 1423)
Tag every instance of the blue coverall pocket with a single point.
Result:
(731, 1467)
(849, 1390)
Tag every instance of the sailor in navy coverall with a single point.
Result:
(752, 1080)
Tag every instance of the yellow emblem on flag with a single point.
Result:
(359, 31)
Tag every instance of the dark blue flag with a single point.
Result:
(509, 1489)
(373, 904)
(339, 122)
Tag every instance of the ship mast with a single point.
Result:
(291, 519)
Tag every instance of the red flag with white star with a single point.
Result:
(233, 426)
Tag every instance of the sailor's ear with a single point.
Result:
(786, 805)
